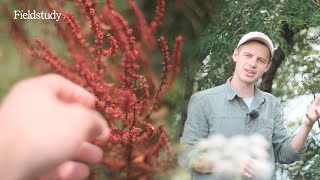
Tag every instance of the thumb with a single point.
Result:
(66, 90)
(316, 100)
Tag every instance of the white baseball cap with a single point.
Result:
(258, 36)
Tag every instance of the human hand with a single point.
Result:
(200, 164)
(313, 113)
(46, 125)
(203, 168)
(247, 170)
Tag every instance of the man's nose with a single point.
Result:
(253, 62)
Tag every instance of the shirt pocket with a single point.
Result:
(265, 128)
(228, 126)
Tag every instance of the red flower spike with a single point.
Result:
(166, 69)
(145, 31)
(176, 57)
(113, 65)
(157, 21)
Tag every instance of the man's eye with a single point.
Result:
(262, 60)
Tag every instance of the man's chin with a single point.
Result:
(250, 80)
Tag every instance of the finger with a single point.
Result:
(67, 91)
(310, 124)
(312, 119)
(89, 153)
(90, 125)
(247, 175)
(249, 167)
(70, 170)
(99, 128)
(316, 101)
(247, 172)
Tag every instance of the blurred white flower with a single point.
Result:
(225, 168)
(258, 153)
(263, 11)
(217, 141)
(258, 140)
(226, 156)
(181, 174)
(312, 57)
(263, 169)
(203, 145)
(215, 156)
(202, 161)
(204, 74)
(203, 71)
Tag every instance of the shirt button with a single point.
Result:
(244, 107)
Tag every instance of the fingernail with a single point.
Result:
(90, 153)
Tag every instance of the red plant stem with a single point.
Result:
(110, 4)
(56, 65)
(166, 69)
(145, 31)
(157, 21)
(98, 34)
(75, 29)
(17, 33)
(125, 93)
(176, 57)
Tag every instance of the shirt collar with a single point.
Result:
(231, 93)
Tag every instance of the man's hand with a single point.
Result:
(203, 169)
(246, 169)
(313, 113)
(46, 125)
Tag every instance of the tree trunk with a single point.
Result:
(188, 92)
(278, 58)
(267, 78)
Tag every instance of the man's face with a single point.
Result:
(252, 60)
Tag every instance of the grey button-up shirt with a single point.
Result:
(221, 110)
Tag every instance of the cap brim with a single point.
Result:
(264, 41)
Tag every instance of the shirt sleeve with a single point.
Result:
(195, 128)
(281, 140)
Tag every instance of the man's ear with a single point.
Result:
(235, 55)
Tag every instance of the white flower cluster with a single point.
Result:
(312, 57)
(205, 67)
(226, 156)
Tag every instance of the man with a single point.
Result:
(239, 107)
(47, 125)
